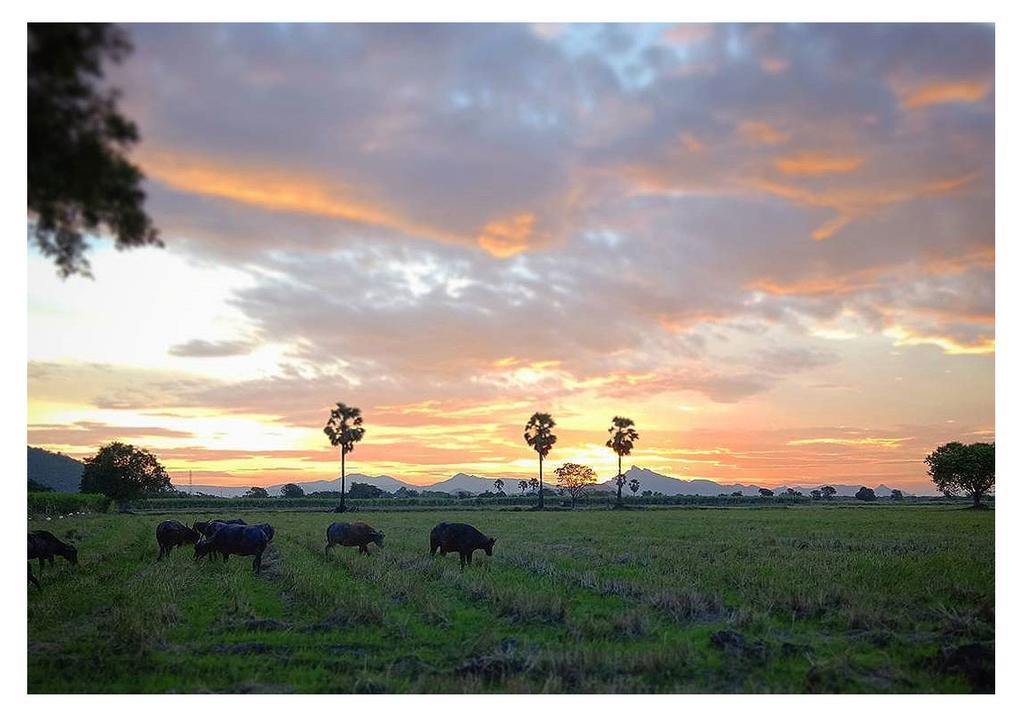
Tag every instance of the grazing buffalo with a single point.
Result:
(171, 534)
(460, 538)
(267, 529)
(357, 534)
(235, 540)
(208, 527)
(44, 545)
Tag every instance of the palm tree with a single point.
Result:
(523, 485)
(344, 429)
(499, 485)
(623, 435)
(538, 435)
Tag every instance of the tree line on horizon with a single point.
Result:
(123, 472)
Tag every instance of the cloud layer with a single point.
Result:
(727, 219)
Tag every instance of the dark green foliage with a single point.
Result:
(33, 486)
(291, 490)
(968, 469)
(79, 179)
(827, 491)
(52, 504)
(896, 495)
(365, 490)
(123, 472)
(765, 492)
(255, 492)
(865, 493)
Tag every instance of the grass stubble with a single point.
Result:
(807, 599)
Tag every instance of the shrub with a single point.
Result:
(58, 503)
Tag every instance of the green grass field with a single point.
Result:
(772, 599)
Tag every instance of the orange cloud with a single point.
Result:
(774, 65)
(940, 93)
(815, 286)
(851, 203)
(760, 133)
(950, 346)
(871, 441)
(270, 189)
(815, 163)
(691, 143)
(687, 33)
(507, 237)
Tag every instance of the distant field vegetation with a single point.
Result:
(554, 502)
(798, 598)
(51, 504)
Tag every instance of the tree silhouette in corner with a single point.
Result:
(79, 178)
(538, 435)
(623, 437)
(344, 429)
(971, 469)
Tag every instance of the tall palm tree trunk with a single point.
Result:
(619, 483)
(540, 490)
(341, 505)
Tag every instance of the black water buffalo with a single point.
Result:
(267, 529)
(171, 534)
(235, 540)
(460, 538)
(357, 534)
(44, 545)
(208, 527)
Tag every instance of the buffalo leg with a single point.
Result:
(256, 562)
(32, 578)
(326, 554)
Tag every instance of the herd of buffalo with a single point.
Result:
(225, 538)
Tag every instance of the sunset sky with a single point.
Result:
(772, 247)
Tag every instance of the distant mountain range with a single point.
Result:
(649, 480)
(54, 470)
(656, 482)
(64, 473)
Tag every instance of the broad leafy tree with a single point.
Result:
(538, 436)
(816, 494)
(255, 492)
(765, 492)
(896, 495)
(344, 429)
(574, 479)
(623, 437)
(79, 177)
(968, 469)
(291, 490)
(827, 491)
(123, 472)
(866, 494)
